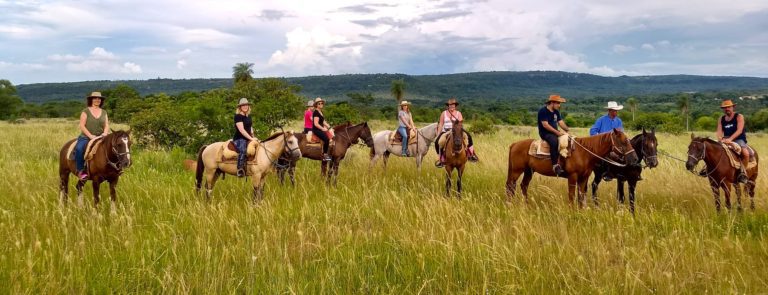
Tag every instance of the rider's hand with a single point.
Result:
(726, 140)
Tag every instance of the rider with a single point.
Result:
(243, 133)
(94, 123)
(406, 124)
(444, 124)
(320, 127)
(607, 123)
(731, 128)
(548, 119)
(308, 116)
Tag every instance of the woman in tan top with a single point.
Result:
(93, 124)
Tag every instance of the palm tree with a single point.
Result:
(398, 89)
(632, 104)
(684, 103)
(242, 72)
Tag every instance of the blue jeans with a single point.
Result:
(404, 133)
(80, 144)
(241, 144)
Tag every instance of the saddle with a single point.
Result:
(540, 148)
(444, 138)
(396, 138)
(314, 141)
(90, 149)
(228, 152)
(733, 151)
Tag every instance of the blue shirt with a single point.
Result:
(550, 117)
(605, 124)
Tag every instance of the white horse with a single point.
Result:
(210, 167)
(383, 147)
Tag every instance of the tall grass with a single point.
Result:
(376, 232)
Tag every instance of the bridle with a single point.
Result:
(643, 154)
(118, 165)
(703, 156)
(286, 149)
(618, 151)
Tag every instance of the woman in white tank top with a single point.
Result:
(445, 124)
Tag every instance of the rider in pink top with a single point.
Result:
(308, 116)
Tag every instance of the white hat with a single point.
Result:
(243, 101)
(405, 103)
(612, 105)
(310, 103)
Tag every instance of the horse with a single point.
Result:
(585, 153)
(345, 135)
(719, 171)
(110, 159)
(269, 150)
(455, 157)
(645, 145)
(382, 147)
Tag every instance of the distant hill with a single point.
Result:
(467, 86)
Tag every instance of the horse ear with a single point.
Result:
(692, 136)
(643, 130)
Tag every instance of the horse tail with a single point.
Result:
(200, 167)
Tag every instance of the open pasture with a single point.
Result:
(376, 232)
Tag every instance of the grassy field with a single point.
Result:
(376, 232)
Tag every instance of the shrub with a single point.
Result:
(483, 125)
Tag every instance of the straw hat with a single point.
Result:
(318, 100)
(452, 101)
(310, 103)
(405, 103)
(95, 94)
(612, 105)
(243, 101)
(727, 103)
(555, 98)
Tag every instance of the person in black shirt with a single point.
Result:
(320, 127)
(548, 120)
(243, 133)
(731, 128)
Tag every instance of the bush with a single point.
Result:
(705, 123)
(340, 113)
(483, 125)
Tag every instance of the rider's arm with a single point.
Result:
(739, 127)
(549, 128)
(317, 124)
(595, 127)
(106, 124)
(562, 125)
(719, 132)
(440, 122)
(242, 131)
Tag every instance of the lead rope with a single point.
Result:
(599, 157)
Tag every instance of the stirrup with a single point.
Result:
(473, 158)
(439, 164)
(240, 172)
(742, 178)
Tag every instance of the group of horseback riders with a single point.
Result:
(731, 129)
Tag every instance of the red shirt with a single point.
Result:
(308, 119)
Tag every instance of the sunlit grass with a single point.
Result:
(377, 231)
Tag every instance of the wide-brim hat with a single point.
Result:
(243, 101)
(95, 94)
(727, 103)
(310, 103)
(612, 105)
(405, 103)
(555, 98)
(318, 100)
(452, 101)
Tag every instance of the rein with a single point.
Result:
(601, 158)
(703, 156)
(275, 162)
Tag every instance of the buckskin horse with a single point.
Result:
(719, 171)
(455, 152)
(382, 147)
(645, 145)
(585, 153)
(112, 155)
(345, 135)
(210, 165)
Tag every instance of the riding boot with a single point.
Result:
(471, 154)
(703, 172)
(558, 170)
(441, 161)
(742, 176)
(326, 157)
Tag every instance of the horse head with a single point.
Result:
(622, 146)
(697, 151)
(648, 148)
(458, 135)
(291, 145)
(366, 135)
(119, 149)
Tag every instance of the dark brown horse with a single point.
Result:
(645, 146)
(109, 161)
(584, 155)
(455, 157)
(719, 171)
(345, 135)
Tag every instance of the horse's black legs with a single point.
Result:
(447, 183)
(727, 195)
(620, 190)
(750, 190)
(458, 182)
(64, 187)
(527, 176)
(715, 192)
(292, 173)
(113, 195)
(737, 188)
(632, 184)
(595, 185)
(96, 183)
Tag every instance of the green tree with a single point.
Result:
(684, 104)
(242, 72)
(9, 101)
(705, 123)
(632, 104)
(340, 113)
(398, 89)
(121, 94)
(362, 103)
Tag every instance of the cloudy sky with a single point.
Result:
(62, 41)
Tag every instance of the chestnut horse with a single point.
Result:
(645, 146)
(585, 153)
(719, 171)
(109, 161)
(345, 135)
(455, 157)
(210, 167)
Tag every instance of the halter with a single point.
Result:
(285, 147)
(613, 145)
(643, 153)
(703, 156)
(117, 165)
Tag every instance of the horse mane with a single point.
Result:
(273, 136)
(342, 126)
(594, 142)
(706, 139)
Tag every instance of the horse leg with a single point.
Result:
(258, 188)
(750, 188)
(79, 188)
(458, 182)
(572, 183)
(292, 173)
(323, 168)
(210, 180)
(96, 183)
(715, 192)
(583, 191)
(737, 189)
(281, 173)
(448, 171)
(113, 196)
(632, 184)
(419, 157)
(336, 172)
(727, 194)
(527, 176)
(595, 184)
(63, 187)
(620, 189)
(385, 158)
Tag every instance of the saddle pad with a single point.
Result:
(733, 151)
(396, 138)
(226, 153)
(540, 148)
(312, 138)
(90, 149)
(444, 138)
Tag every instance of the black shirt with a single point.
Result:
(320, 121)
(247, 124)
(551, 117)
(730, 127)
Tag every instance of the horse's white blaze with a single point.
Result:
(128, 152)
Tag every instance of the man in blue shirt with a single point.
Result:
(549, 119)
(608, 122)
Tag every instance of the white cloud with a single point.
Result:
(149, 50)
(99, 60)
(647, 46)
(315, 52)
(181, 64)
(621, 49)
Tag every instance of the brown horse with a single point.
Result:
(719, 171)
(109, 161)
(455, 157)
(345, 135)
(585, 153)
